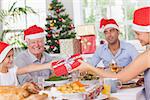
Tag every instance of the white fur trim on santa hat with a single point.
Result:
(110, 26)
(141, 28)
(4, 53)
(35, 36)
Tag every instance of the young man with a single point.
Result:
(141, 26)
(120, 52)
(34, 37)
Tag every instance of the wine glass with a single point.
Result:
(75, 75)
(41, 81)
(113, 66)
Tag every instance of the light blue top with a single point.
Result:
(123, 57)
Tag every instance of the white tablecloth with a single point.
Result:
(127, 94)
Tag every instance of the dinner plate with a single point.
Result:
(57, 83)
(89, 82)
(101, 97)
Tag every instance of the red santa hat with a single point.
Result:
(108, 23)
(141, 20)
(4, 49)
(34, 32)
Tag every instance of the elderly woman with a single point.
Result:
(141, 26)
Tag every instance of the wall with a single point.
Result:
(68, 4)
(0, 23)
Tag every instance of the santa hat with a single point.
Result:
(141, 20)
(108, 23)
(34, 32)
(4, 49)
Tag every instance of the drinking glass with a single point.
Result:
(113, 66)
(41, 80)
(75, 75)
(107, 89)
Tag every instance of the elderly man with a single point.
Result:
(34, 37)
(114, 51)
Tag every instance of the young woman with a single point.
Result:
(8, 71)
(141, 26)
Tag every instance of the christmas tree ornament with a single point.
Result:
(49, 41)
(52, 24)
(49, 35)
(60, 19)
(57, 41)
(54, 21)
(50, 6)
(52, 47)
(49, 28)
(57, 11)
(51, 21)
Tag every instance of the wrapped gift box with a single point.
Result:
(69, 46)
(64, 66)
(88, 44)
(92, 92)
(85, 30)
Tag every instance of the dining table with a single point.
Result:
(122, 94)
(127, 94)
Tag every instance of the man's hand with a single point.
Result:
(31, 87)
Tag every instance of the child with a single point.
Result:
(8, 71)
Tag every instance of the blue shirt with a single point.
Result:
(123, 57)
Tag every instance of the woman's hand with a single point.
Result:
(83, 67)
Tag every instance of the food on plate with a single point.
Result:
(89, 76)
(140, 82)
(12, 93)
(73, 87)
(19, 93)
(56, 78)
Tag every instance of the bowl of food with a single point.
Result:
(89, 78)
(56, 80)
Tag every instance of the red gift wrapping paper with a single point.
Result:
(64, 66)
(88, 44)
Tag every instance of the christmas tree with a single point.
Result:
(59, 26)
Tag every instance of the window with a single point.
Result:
(120, 10)
(16, 27)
